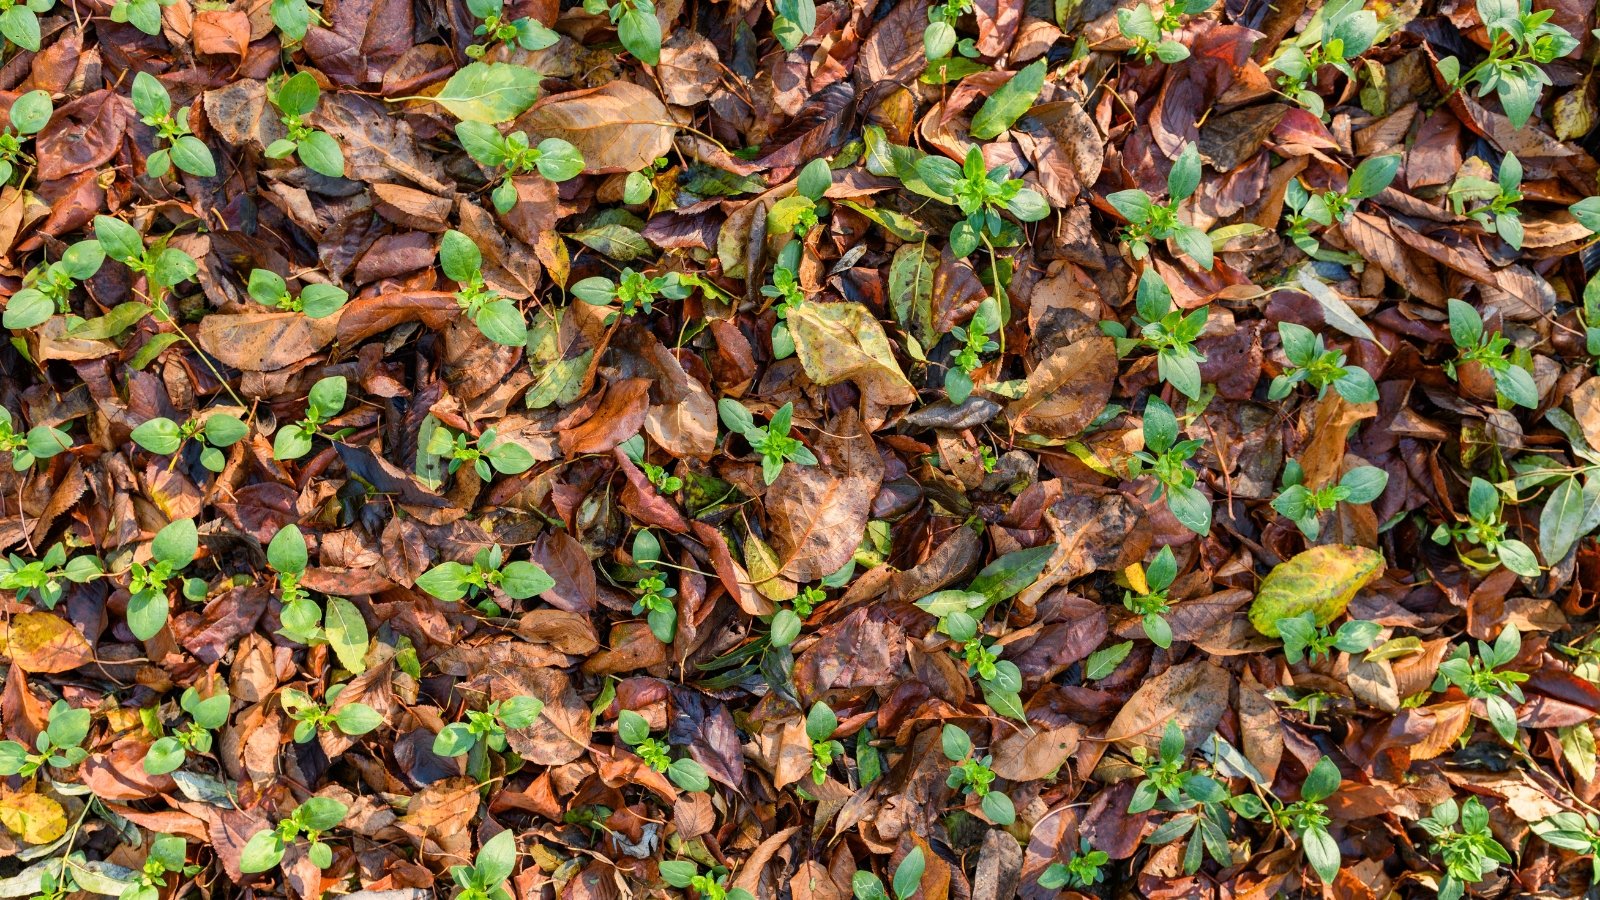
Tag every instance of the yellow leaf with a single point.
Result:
(36, 817)
(1321, 580)
(44, 643)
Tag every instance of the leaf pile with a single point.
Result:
(977, 449)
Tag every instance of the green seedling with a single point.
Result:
(1082, 871)
(172, 549)
(1471, 852)
(311, 717)
(325, 401)
(44, 577)
(1304, 507)
(657, 476)
(975, 340)
(633, 292)
(487, 728)
(793, 22)
(821, 723)
(907, 879)
(316, 300)
(1151, 604)
(787, 623)
(294, 18)
(168, 856)
(940, 37)
(168, 753)
(495, 29)
(37, 443)
(1578, 832)
(1492, 204)
(19, 21)
(638, 28)
(483, 456)
(1165, 329)
(452, 581)
(1307, 819)
(1165, 458)
(164, 267)
(772, 442)
(1311, 362)
(1486, 532)
(687, 774)
(973, 775)
(513, 155)
(295, 98)
(1512, 381)
(712, 885)
(498, 318)
(1520, 41)
(310, 820)
(49, 286)
(58, 745)
(1303, 638)
(982, 194)
(1325, 208)
(214, 433)
(28, 116)
(1149, 221)
(486, 878)
(1153, 35)
(144, 15)
(1339, 32)
(1480, 678)
(183, 149)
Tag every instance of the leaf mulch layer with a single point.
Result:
(877, 449)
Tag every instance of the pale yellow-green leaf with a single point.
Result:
(1321, 580)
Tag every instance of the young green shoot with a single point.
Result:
(1486, 532)
(1312, 363)
(772, 442)
(1480, 677)
(154, 106)
(512, 155)
(975, 776)
(316, 300)
(1469, 852)
(144, 15)
(45, 576)
(638, 28)
(1165, 458)
(19, 21)
(632, 292)
(975, 340)
(49, 286)
(864, 885)
(939, 38)
(1520, 41)
(325, 401)
(172, 549)
(452, 581)
(498, 318)
(168, 856)
(1150, 604)
(310, 717)
(486, 878)
(1150, 221)
(685, 773)
(310, 820)
(821, 723)
(169, 752)
(1165, 329)
(40, 442)
(711, 885)
(1304, 639)
(295, 98)
(1339, 32)
(1304, 506)
(28, 116)
(1492, 204)
(484, 456)
(1512, 382)
(58, 745)
(496, 29)
(213, 434)
(1153, 35)
(982, 194)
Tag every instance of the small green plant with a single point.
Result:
(1520, 41)
(58, 745)
(37, 443)
(1165, 458)
(296, 97)
(1164, 771)
(772, 442)
(1470, 852)
(164, 437)
(172, 549)
(1150, 602)
(49, 286)
(45, 575)
(1492, 204)
(1579, 832)
(1165, 329)
(786, 291)
(316, 300)
(1327, 207)
(486, 878)
(974, 775)
(1484, 530)
(310, 820)
(1152, 35)
(484, 456)
(553, 158)
(452, 581)
(28, 116)
(638, 29)
(712, 885)
(1339, 32)
(1303, 638)
(19, 21)
(1512, 382)
(1079, 872)
(1479, 677)
(164, 267)
(821, 723)
(940, 37)
(325, 401)
(1307, 819)
(311, 717)
(975, 341)
(793, 22)
(634, 731)
(638, 186)
(635, 450)
(982, 194)
(656, 605)
(495, 29)
(169, 855)
(1149, 221)
(786, 623)
(1304, 507)
(168, 753)
(798, 213)
(907, 879)
(487, 728)
(498, 318)
(1202, 805)
(633, 292)
(144, 15)
(184, 150)
(1311, 362)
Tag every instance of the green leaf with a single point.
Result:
(688, 775)
(147, 613)
(176, 544)
(165, 755)
(998, 808)
(1322, 852)
(525, 579)
(501, 321)
(1103, 662)
(27, 308)
(118, 239)
(262, 852)
(677, 872)
(453, 740)
(287, 551)
(1184, 179)
(1007, 576)
(320, 814)
(1322, 581)
(497, 858)
(1322, 781)
(31, 111)
(357, 719)
(821, 723)
(908, 875)
(327, 396)
(639, 32)
(1009, 102)
(298, 95)
(347, 634)
(159, 436)
(489, 92)
(632, 728)
(483, 142)
(321, 154)
(619, 242)
(1570, 513)
(191, 155)
(447, 581)
(1373, 175)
